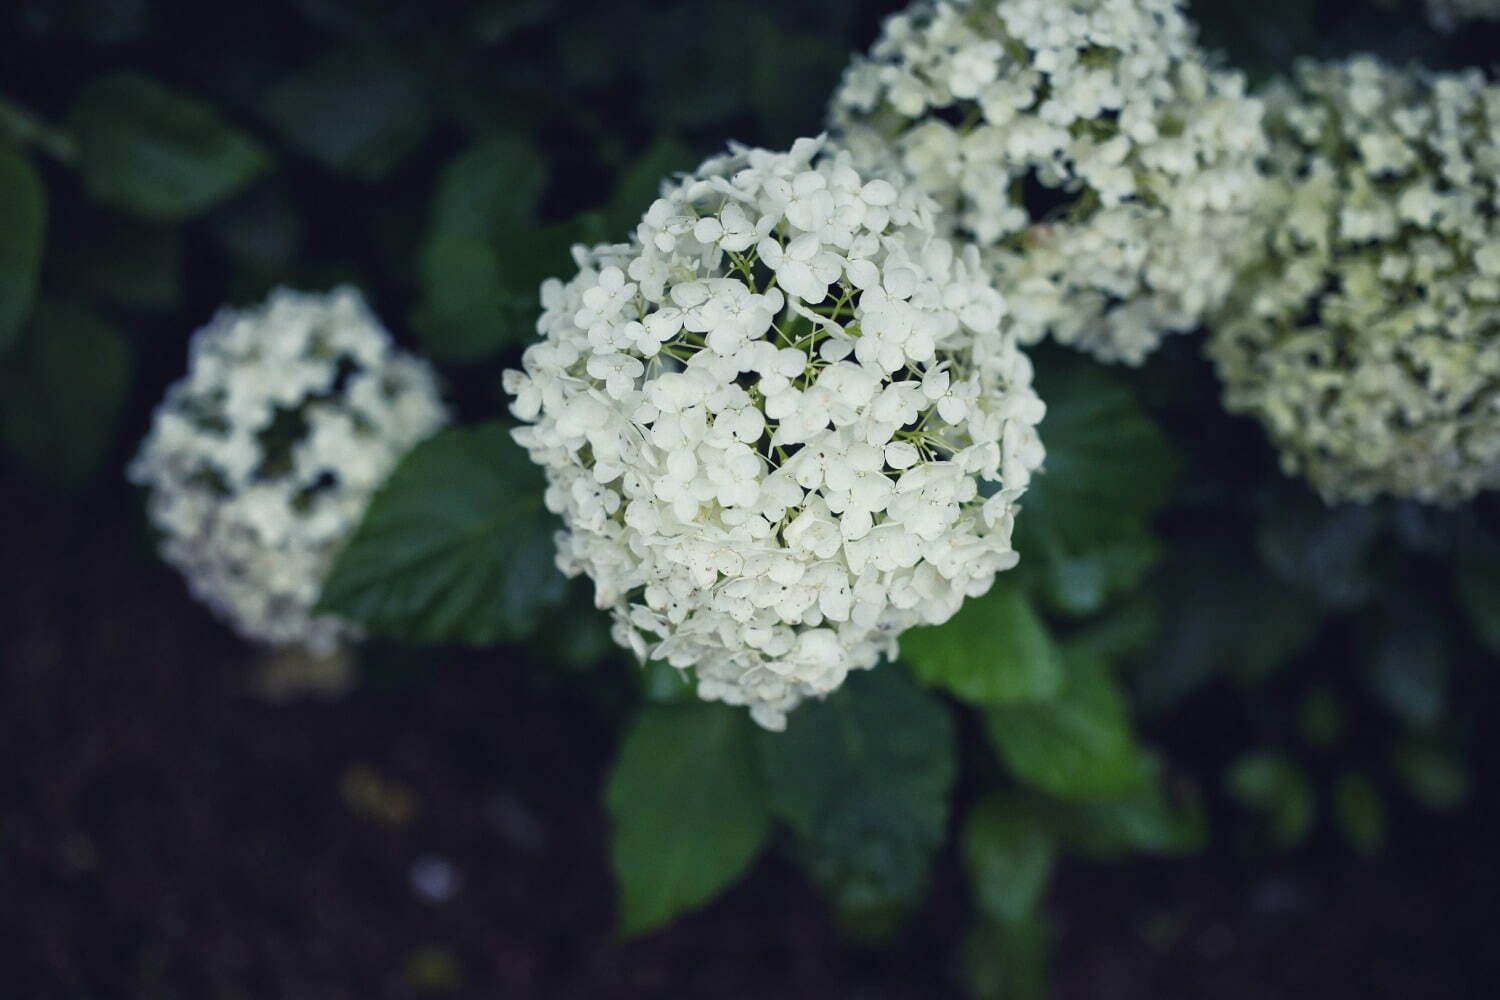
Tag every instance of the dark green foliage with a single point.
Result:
(1078, 745)
(995, 651)
(688, 812)
(151, 151)
(1174, 592)
(456, 546)
(1009, 853)
(1085, 532)
(862, 778)
(356, 111)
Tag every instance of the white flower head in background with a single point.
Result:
(783, 424)
(1446, 15)
(1367, 338)
(261, 461)
(1105, 169)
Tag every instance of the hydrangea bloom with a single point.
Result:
(1446, 15)
(1367, 339)
(262, 459)
(1108, 110)
(783, 424)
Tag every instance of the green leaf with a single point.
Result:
(1165, 818)
(1434, 774)
(158, 154)
(455, 547)
(61, 393)
(356, 111)
(1272, 784)
(23, 227)
(1079, 745)
(1007, 961)
(491, 190)
(863, 779)
(462, 317)
(687, 810)
(1083, 531)
(995, 651)
(1361, 813)
(1479, 593)
(1008, 852)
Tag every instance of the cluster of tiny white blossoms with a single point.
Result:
(782, 425)
(262, 459)
(1367, 338)
(1108, 110)
(1446, 15)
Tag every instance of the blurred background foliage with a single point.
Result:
(1192, 643)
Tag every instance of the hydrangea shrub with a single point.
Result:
(783, 424)
(262, 459)
(1366, 338)
(1142, 154)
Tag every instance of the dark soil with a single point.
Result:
(165, 834)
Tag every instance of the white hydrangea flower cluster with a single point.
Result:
(1367, 338)
(782, 425)
(1446, 15)
(262, 459)
(1107, 110)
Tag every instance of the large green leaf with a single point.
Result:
(863, 779)
(687, 809)
(23, 225)
(61, 392)
(456, 547)
(995, 651)
(1083, 530)
(1008, 851)
(356, 111)
(156, 153)
(1078, 745)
